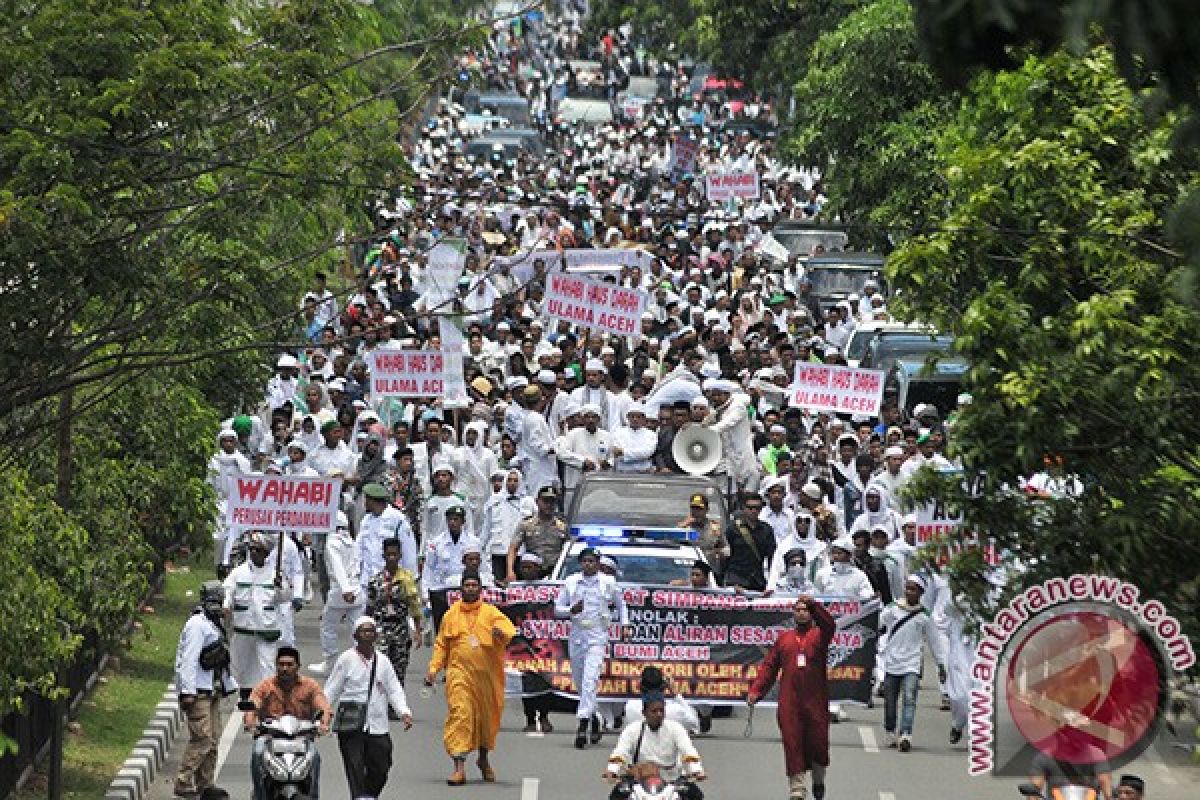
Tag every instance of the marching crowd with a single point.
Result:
(439, 498)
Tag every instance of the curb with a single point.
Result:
(137, 774)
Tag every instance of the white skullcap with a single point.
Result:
(811, 490)
(916, 579)
(636, 408)
(338, 384)
(227, 433)
(547, 377)
(531, 558)
(843, 543)
(700, 401)
(909, 519)
(607, 351)
(720, 385)
(287, 360)
(778, 429)
(517, 382)
(443, 466)
(710, 370)
(590, 408)
(894, 451)
(594, 365)
(363, 620)
(297, 444)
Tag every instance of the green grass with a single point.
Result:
(113, 717)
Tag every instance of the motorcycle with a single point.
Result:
(645, 783)
(1061, 793)
(289, 756)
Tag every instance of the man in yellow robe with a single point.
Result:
(470, 647)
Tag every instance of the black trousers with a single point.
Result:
(367, 759)
(439, 604)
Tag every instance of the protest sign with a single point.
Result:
(712, 638)
(594, 304)
(823, 387)
(443, 270)
(417, 373)
(522, 264)
(307, 504)
(683, 157)
(721, 186)
(937, 519)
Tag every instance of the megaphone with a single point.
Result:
(697, 450)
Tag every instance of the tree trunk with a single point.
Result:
(65, 471)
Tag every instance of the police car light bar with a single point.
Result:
(599, 534)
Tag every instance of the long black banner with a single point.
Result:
(709, 642)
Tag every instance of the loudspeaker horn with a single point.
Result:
(697, 450)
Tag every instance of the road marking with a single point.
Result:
(529, 788)
(535, 735)
(887, 796)
(868, 739)
(227, 737)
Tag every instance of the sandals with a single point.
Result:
(489, 774)
(458, 778)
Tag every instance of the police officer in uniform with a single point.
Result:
(545, 533)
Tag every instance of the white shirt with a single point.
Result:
(198, 632)
(293, 566)
(328, 460)
(374, 530)
(349, 681)
(900, 653)
(637, 449)
(670, 747)
(844, 580)
(600, 596)
(501, 516)
(444, 561)
(782, 522)
(344, 565)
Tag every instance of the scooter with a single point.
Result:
(1061, 793)
(648, 784)
(289, 755)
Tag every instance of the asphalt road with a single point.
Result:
(547, 767)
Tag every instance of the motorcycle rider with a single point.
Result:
(655, 744)
(286, 693)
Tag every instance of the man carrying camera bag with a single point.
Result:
(202, 677)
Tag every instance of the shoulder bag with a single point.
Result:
(351, 715)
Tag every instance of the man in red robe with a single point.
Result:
(803, 712)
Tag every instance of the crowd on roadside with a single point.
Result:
(437, 495)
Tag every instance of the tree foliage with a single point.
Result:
(171, 172)
(1049, 265)
(864, 84)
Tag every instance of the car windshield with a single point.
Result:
(858, 342)
(827, 281)
(801, 242)
(647, 504)
(645, 569)
(889, 348)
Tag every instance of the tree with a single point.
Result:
(1048, 264)
(864, 91)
